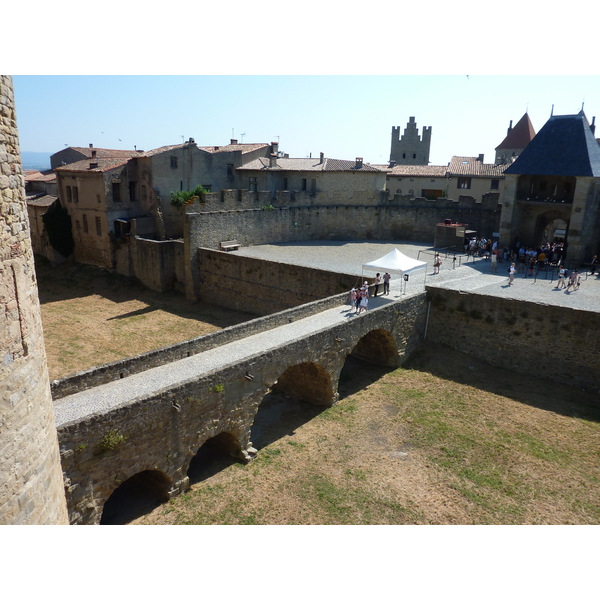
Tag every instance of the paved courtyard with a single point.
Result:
(469, 276)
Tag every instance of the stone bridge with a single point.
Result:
(151, 424)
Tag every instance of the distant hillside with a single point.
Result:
(36, 160)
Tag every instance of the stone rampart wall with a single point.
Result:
(242, 199)
(552, 342)
(159, 265)
(262, 286)
(414, 222)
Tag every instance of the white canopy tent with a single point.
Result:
(395, 262)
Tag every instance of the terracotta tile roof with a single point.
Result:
(212, 149)
(519, 136)
(163, 149)
(245, 148)
(309, 164)
(417, 171)
(45, 200)
(473, 167)
(103, 165)
(106, 152)
(32, 175)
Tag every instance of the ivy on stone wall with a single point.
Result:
(57, 224)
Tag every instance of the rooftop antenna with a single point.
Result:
(182, 138)
(243, 134)
(552, 111)
(232, 134)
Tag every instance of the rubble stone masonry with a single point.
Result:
(31, 482)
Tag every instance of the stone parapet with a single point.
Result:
(553, 342)
(141, 362)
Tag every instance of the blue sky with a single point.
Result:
(344, 116)
(333, 77)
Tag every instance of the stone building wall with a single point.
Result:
(31, 483)
(550, 342)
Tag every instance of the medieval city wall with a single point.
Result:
(31, 483)
(263, 286)
(159, 265)
(413, 221)
(551, 342)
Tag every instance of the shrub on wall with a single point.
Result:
(184, 197)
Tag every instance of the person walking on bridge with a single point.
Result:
(377, 283)
(364, 299)
(386, 283)
(511, 273)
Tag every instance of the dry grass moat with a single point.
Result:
(92, 317)
(447, 439)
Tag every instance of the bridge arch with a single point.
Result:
(214, 455)
(378, 347)
(136, 496)
(306, 381)
(299, 394)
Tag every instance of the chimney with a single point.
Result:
(509, 128)
(272, 160)
(91, 145)
(321, 158)
(359, 162)
(480, 158)
(593, 125)
(93, 165)
(275, 148)
(392, 164)
(93, 154)
(233, 142)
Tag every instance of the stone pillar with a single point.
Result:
(508, 227)
(578, 245)
(31, 481)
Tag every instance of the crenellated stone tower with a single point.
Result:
(31, 481)
(410, 148)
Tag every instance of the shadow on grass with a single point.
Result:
(447, 363)
(278, 416)
(210, 459)
(73, 280)
(357, 374)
